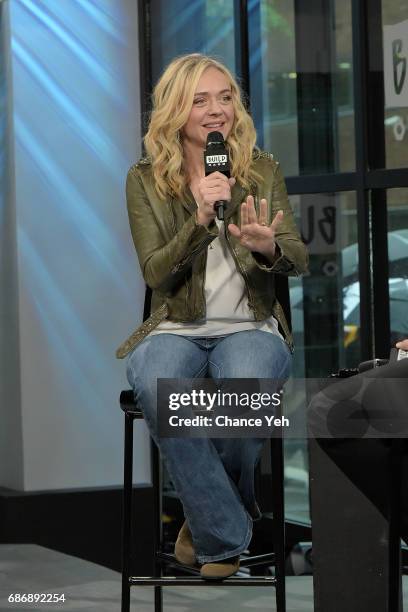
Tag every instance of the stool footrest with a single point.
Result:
(193, 581)
(245, 561)
(267, 558)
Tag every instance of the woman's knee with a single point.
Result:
(147, 362)
(166, 356)
(252, 354)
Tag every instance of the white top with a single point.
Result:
(227, 309)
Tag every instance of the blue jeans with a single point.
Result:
(213, 477)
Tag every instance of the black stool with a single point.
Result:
(276, 558)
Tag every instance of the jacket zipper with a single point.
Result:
(243, 273)
(204, 279)
(190, 309)
(188, 293)
(186, 259)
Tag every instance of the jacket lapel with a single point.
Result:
(189, 202)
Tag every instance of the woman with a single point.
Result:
(214, 310)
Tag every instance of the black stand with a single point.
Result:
(355, 505)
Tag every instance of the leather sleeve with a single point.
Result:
(162, 263)
(291, 253)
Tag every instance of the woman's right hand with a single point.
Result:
(212, 188)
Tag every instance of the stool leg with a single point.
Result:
(158, 530)
(127, 512)
(278, 509)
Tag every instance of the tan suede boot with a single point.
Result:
(218, 570)
(184, 548)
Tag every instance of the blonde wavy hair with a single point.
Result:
(172, 102)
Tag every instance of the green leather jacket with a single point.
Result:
(172, 249)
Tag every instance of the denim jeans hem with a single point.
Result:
(231, 553)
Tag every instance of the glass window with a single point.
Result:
(325, 310)
(395, 48)
(326, 303)
(301, 84)
(182, 26)
(296, 480)
(397, 203)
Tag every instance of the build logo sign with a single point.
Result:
(396, 74)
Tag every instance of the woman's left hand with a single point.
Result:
(256, 234)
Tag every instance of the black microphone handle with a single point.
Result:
(219, 208)
(371, 363)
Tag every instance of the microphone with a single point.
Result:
(216, 159)
(371, 364)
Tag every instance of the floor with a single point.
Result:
(27, 568)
